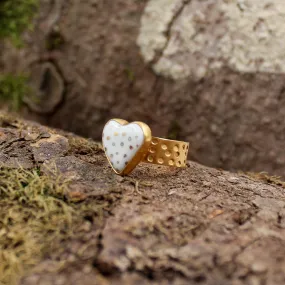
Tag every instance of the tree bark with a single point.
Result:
(196, 225)
(209, 72)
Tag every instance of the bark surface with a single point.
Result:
(208, 72)
(162, 225)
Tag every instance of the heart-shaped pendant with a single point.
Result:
(125, 144)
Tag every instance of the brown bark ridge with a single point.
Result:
(196, 225)
(231, 111)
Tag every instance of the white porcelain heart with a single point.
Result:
(121, 143)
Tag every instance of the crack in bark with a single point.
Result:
(159, 53)
(10, 143)
(53, 16)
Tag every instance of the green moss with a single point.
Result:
(32, 211)
(13, 88)
(15, 17)
(36, 217)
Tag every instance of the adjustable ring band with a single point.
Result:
(167, 152)
(127, 144)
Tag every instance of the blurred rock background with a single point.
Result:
(208, 72)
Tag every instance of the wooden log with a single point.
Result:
(159, 225)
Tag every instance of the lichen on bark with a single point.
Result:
(246, 36)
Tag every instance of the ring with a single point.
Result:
(127, 144)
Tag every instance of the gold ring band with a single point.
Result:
(167, 152)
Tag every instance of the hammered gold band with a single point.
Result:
(167, 152)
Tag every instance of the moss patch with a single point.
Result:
(35, 219)
(13, 88)
(15, 17)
